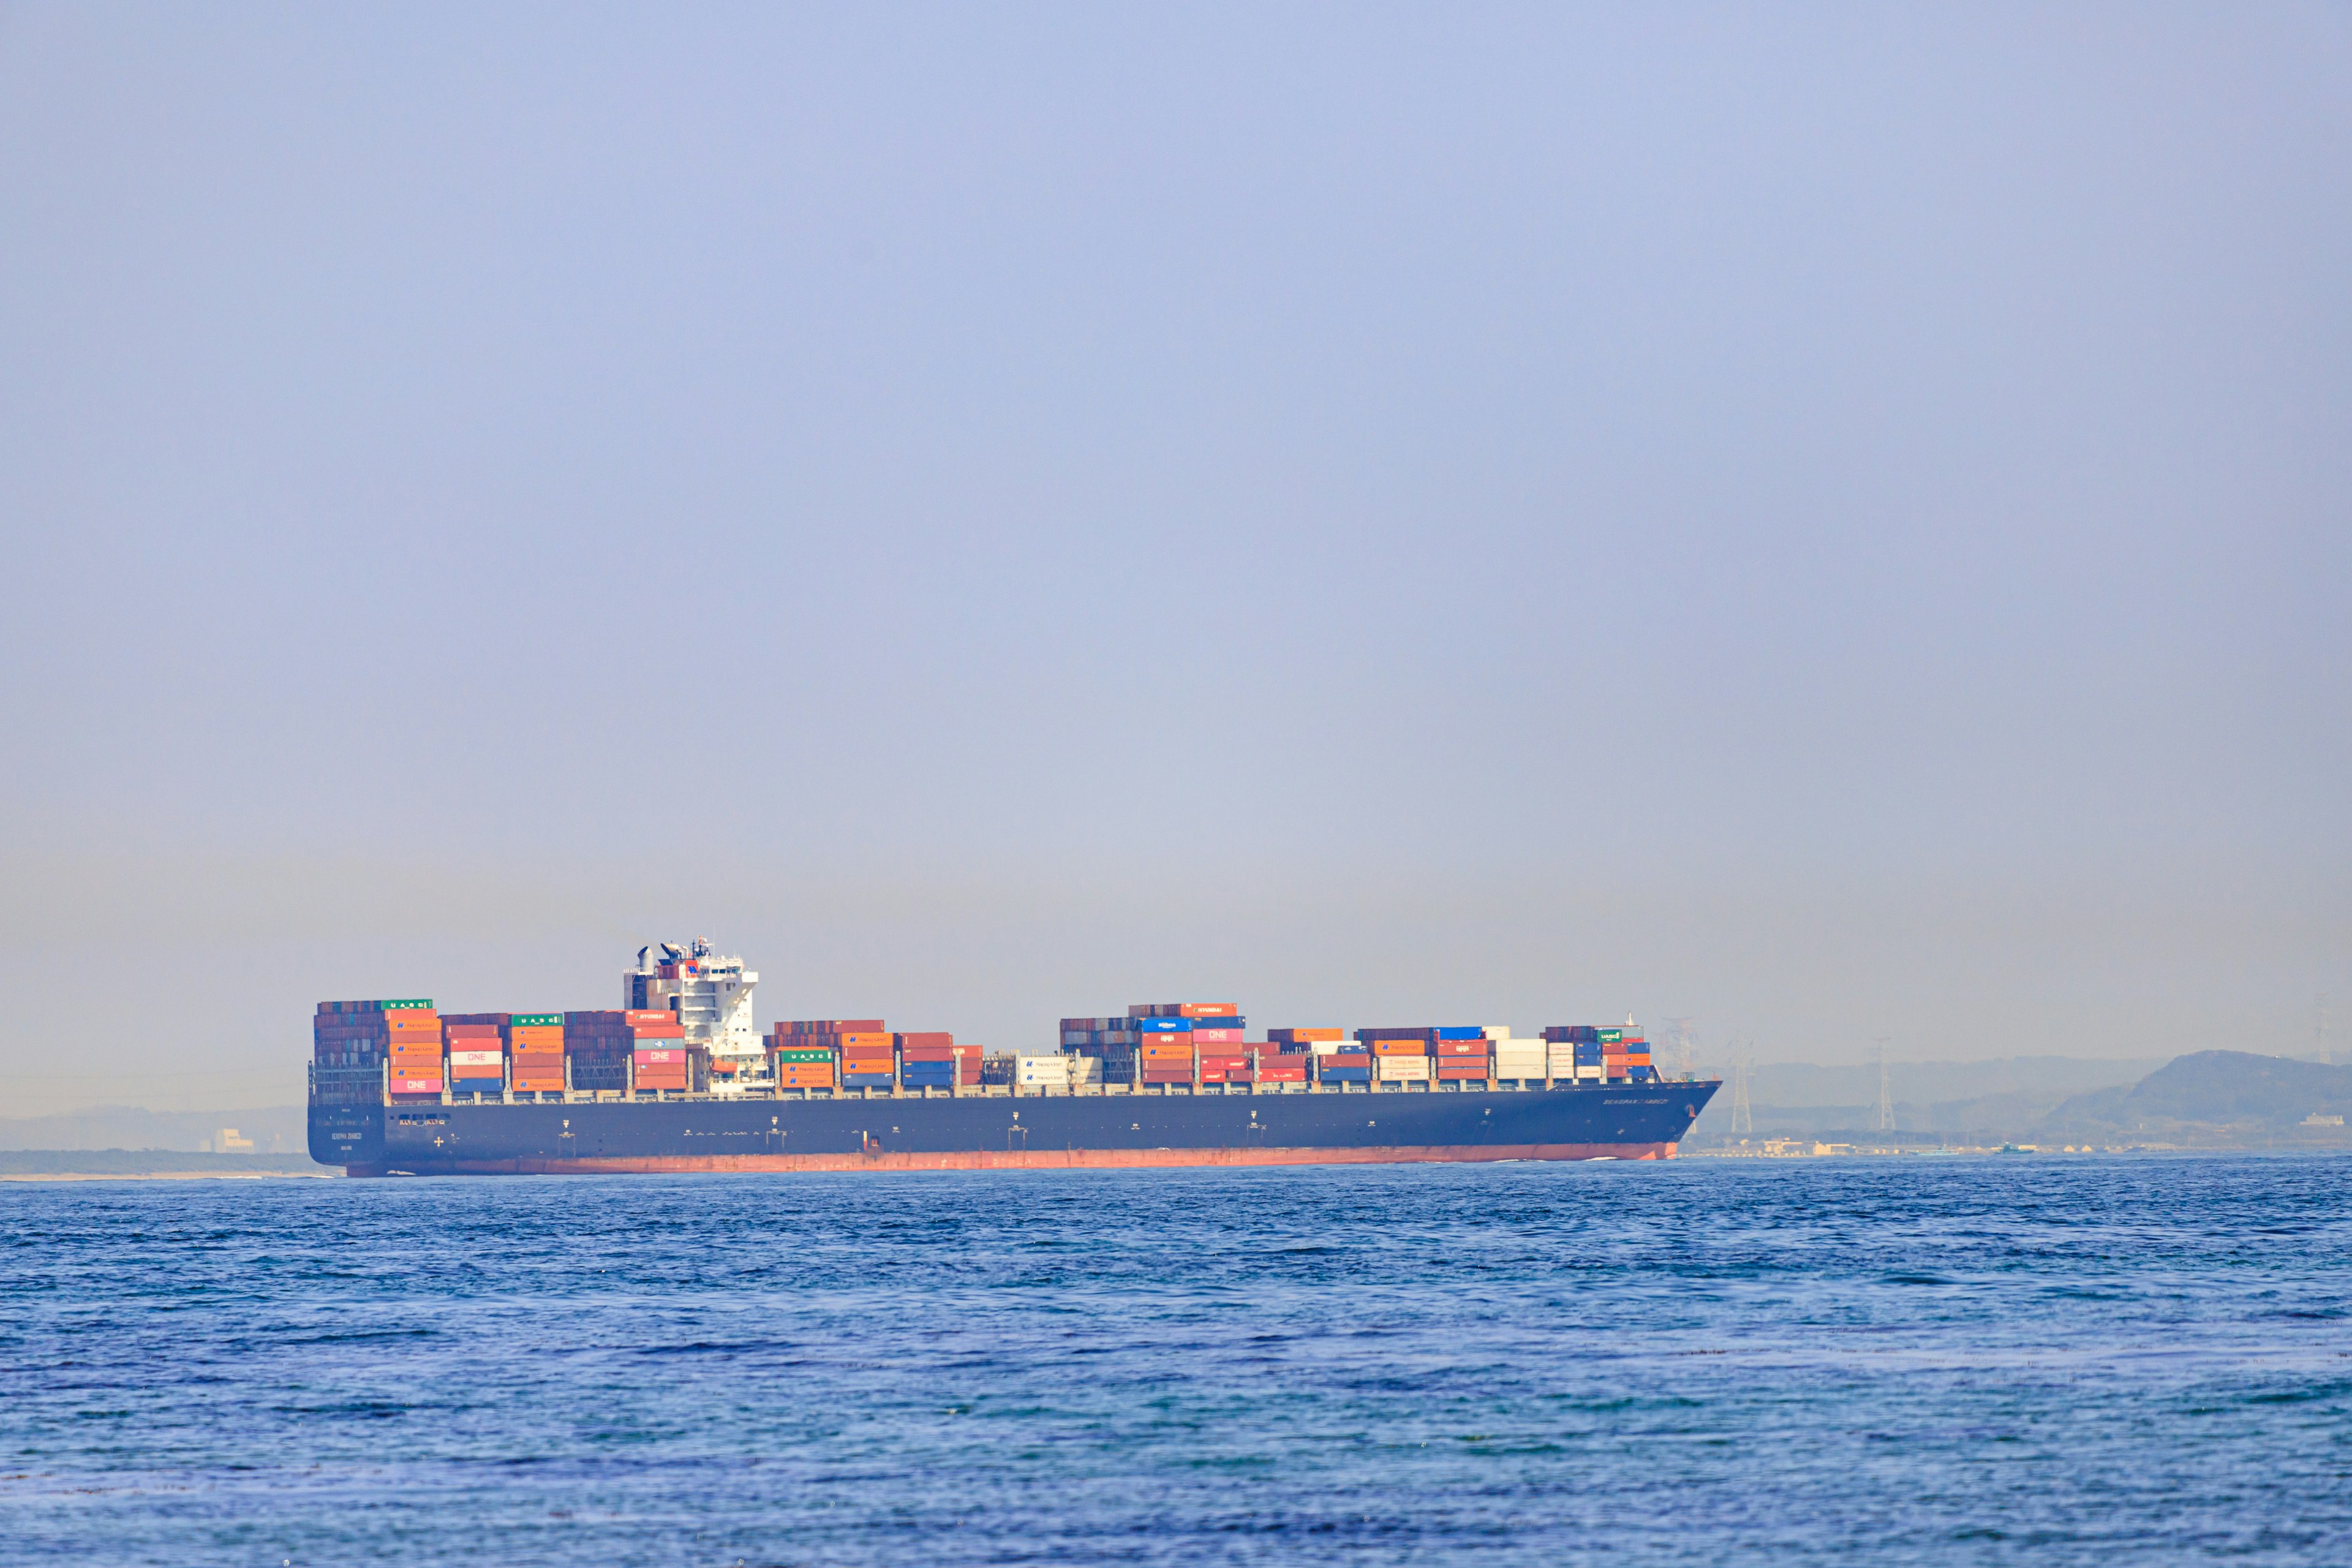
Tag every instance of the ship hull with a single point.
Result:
(1632, 1122)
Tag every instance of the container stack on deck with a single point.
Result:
(360, 1050)
(797, 1061)
(865, 1052)
(477, 1052)
(1605, 1055)
(932, 1059)
(407, 1049)
(1517, 1061)
(1331, 1057)
(413, 1034)
(605, 1045)
(535, 1053)
(1399, 1056)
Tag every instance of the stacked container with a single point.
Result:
(1042, 1072)
(1172, 1035)
(663, 1069)
(1517, 1060)
(535, 1053)
(603, 1047)
(360, 1050)
(1460, 1055)
(412, 1037)
(1399, 1056)
(864, 1049)
(932, 1059)
(478, 1053)
(1628, 1056)
(1271, 1065)
(797, 1062)
(1591, 1052)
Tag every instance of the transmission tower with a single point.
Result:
(1742, 1120)
(1678, 1031)
(1885, 1122)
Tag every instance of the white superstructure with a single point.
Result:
(710, 993)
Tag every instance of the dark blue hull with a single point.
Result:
(1327, 1125)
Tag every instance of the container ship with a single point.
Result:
(678, 1078)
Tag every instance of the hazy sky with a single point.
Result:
(1832, 523)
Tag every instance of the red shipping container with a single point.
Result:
(416, 1086)
(661, 1059)
(931, 1038)
(935, 1053)
(645, 1015)
(1217, 1037)
(1461, 1047)
(1281, 1075)
(1208, 1009)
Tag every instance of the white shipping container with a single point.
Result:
(1333, 1048)
(1519, 1064)
(1401, 1069)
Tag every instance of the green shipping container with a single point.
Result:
(801, 1056)
(536, 1021)
(424, 1003)
(1609, 1036)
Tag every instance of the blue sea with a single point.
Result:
(2023, 1360)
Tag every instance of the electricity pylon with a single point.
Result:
(1678, 1031)
(1885, 1100)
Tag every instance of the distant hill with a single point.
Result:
(2001, 1098)
(276, 1128)
(21, 1164)
(2212, 1089)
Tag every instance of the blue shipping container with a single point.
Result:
(1455, 1033)
(1344, 1075)
(866, 1080)
(1164, 1025)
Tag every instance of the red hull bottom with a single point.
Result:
(1044, 1160)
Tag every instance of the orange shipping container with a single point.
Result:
(1400, 1048)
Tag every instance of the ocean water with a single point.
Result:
(2056, 1360)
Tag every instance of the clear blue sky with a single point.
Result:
(1834, 522)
